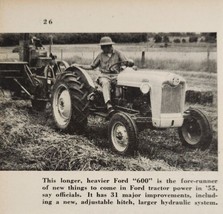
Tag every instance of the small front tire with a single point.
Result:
(122, 133)
(196, 130)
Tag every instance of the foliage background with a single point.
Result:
(10, 39)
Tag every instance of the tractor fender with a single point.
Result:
(64, 63)
(84, 76)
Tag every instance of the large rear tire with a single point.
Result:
(69, 102)
(196, 131)
(122, 133)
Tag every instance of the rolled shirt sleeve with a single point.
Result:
(122, 57)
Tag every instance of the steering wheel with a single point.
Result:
(113, 68)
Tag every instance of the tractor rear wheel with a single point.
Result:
(196, 131)
(122, 133)
(69, 102)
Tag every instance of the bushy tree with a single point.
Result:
(9, 39)
(193, 39)
(176, 40)
(166, 39)
(1, 40)
(210, 37)
(175, 34)
(190, 34)
(157, 38)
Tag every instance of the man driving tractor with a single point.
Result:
(109, 56)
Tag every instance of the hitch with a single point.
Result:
(24, 89)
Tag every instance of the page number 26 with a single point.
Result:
(47, 21)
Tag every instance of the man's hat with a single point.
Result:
(106, 40)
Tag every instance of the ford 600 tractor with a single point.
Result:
(141, 99)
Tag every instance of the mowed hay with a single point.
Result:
(199, 97)
(85, 156)
(5, 94)
(29, 141)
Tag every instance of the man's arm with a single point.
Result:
(122, 58)
(94, 64)
(86, 67)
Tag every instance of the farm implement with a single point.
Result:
(31, 77)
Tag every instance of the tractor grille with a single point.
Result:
(171, 99)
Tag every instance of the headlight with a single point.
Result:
(174, 80)
(145, 88)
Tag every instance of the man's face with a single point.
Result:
(106, 48)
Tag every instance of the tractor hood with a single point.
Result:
(135, 78)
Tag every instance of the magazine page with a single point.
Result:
(111, 107)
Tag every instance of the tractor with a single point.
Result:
(141, 99)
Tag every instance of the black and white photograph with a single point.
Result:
(109, 101)
(111, 107)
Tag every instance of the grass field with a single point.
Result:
(189, 57)
(30, 141)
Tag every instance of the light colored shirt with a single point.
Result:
(104, 61)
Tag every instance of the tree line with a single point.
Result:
(9, 39)
(12, 39)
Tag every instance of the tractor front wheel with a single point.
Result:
(196, 131)
(122, 133)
